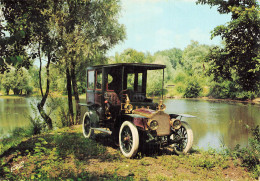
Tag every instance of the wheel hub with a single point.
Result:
(127, 138)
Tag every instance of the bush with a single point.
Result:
(21, 132)
(37, 124)
(62, 115)
(245, 95)
(250, 155)
(29, 90)
(192, 90)
(223, 90)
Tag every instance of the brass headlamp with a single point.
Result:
(152, 124)
(175, 123)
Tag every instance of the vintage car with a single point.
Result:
(117, 104)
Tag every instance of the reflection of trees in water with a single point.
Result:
(218, 122)
(14, 114)
(242, 119)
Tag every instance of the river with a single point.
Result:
(217, 123)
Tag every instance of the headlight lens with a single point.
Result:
(153, 124)
(175, 123)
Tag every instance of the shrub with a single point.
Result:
(226, 89)
(192, 90)
(244, 95)
(37, 124)
(29, 90)
(250, 155)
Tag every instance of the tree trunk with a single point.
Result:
(40, 71)
(71, 116)
(75, 90)
(7, 91)
(40, 105)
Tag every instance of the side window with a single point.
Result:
(110, 86)
(99, 80)
(140, 82)
(130, 81)
(91, 79)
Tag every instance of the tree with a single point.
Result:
(193, 58)
(13, 36)
(86, 30)
(173, 54)
(31, 18)
(241, 53)
(16, 80)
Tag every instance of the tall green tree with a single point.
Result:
(31, 18)
(241, 53)
(174, 55)
(87, 30)
(193, 59)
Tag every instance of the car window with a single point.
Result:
(130, 81)
(99, 80)
(140, 82)
(91, 76)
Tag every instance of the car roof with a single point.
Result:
(131, 65)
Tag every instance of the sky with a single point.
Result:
(153, 25)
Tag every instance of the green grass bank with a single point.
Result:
(65, 154)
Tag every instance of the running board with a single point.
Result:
(102, 130)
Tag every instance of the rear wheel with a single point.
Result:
(86, 125)
(128, 139)
(184, 135)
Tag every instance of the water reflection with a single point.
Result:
(216, 123)
(13, 113)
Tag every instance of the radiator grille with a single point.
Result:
(164, 127)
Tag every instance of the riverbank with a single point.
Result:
(83, 96)
(254, 101)
(66, 154)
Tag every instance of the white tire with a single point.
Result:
(128, 139)
(86, 125)
(186, 135)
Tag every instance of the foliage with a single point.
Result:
(129, 56)
(193, 58)
(55, 156)
(174, 55)
(242, 41)
(15, 138)
(66, 155)
(250, 155)
(58, 110)
(226, 89)
(229, 89)
(37, 124)
(17, 80)
(193, 89)
(10, 51)
(86, 30)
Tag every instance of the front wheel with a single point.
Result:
(128, 139)
(184, 135)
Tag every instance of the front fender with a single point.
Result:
(181, 115)
(139, 121)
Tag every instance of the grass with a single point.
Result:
(66, 154)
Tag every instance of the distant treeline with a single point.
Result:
(187, 71)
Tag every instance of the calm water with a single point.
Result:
(216, 123)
